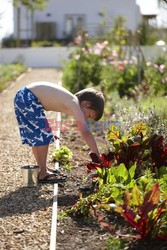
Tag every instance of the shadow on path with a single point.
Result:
(23, 200)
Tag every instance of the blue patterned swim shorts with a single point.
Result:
(31, 119)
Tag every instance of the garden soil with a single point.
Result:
(26, 213)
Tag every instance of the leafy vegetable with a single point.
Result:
(103, 162)
(149, 215)
(159, 152)
(63, 155)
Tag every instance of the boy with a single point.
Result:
(30, 103)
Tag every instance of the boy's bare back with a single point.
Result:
(54, 97)
(85, 104)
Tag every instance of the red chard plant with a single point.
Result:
(159, 152)
(103, 162)
(137, 148)
(147, 215)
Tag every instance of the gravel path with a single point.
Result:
(25, 213)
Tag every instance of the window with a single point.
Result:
(73, 24)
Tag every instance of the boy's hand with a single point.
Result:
(95, 158)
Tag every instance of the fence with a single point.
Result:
(54, 57)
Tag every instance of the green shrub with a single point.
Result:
(9, 72)
(156, 78)
(37, 44)
(82, 70)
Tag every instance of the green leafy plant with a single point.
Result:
(114, 175)
(116, 243)
(62, 155)
(145, 181)
(112, 183)
(68, 167)
(156, 78)
(62, 215)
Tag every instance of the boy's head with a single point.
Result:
(93, 100)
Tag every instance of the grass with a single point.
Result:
(9, 72)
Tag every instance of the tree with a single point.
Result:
(30, 4)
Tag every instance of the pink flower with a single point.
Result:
(161, 68)
(120, 67)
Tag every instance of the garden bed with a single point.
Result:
(84, 232)
(78, 233)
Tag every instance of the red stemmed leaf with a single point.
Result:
(103, 224)
(107, 159)
(108, 227)
(159, 152)
(93, 166)
(130, 217)
(128, 213)
(146, 218)
(151, 199)
(162, 237)
(104, 161)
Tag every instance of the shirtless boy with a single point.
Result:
(30, 103)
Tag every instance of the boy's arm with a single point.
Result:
(90, 140)
(85, 132)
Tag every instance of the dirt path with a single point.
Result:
(25, 214)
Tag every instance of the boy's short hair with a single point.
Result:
(96, 99)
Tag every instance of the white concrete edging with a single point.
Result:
(53, 235)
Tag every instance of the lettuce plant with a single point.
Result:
(63, 155)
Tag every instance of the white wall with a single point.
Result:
(35, 57)
(57, 9)
(54, 57)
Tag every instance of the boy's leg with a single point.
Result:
(40, 154)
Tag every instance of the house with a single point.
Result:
(149, 11)
(61, 19)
